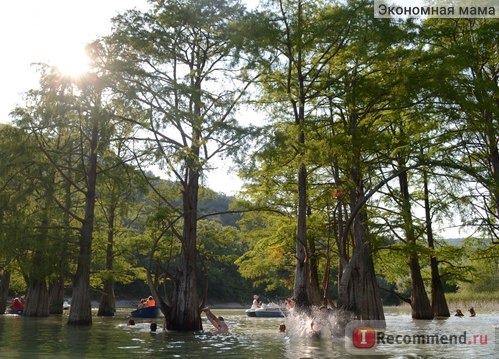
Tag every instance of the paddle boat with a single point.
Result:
(146, 312)
(15, 311)
(270, 310)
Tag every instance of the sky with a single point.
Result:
(55, 32)
(50, 31)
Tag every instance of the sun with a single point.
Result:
(71, 61)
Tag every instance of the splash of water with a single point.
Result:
(317, 322)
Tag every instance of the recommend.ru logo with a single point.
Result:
(375, 338)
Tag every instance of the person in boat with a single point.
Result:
(257, 303)
(217, 322)
(150, 302)
(472, 312)
(17, 305)
(459, 313)
(142, 303)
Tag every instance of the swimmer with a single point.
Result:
(217, 322)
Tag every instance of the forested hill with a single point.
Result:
(216, 206)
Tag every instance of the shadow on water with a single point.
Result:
(248, 338)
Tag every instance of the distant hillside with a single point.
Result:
(454, 241)
(218, 203)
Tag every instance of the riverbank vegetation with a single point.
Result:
(375, 134)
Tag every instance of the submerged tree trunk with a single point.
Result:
(438, 301)
(358, 288)
(359, 291)
(420, 304)
(107, 306)
(56, 287)
(184, 313)
(37, 299)
(4, 290)
(314, 289)
(341, 239)
(81, 310)
(302, 275)
(56, 296)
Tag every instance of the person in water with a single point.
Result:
(314, 330)
(472, 312)
(153, 327)
(217, 322)
(459, 313)
(290, 304)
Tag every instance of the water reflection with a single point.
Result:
(248, 338)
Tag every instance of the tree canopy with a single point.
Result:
(376, 134)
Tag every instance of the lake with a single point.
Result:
(248, 338)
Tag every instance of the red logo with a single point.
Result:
(364, 337)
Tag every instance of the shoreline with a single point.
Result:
(479, 305)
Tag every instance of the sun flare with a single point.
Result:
(72, 62)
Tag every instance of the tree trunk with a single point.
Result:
(341, 239)
(184, 313)
(56, 296)
(301, 284)
(438, 301)
(358, 289)
(80, 312)
(420, 304)
(107, 306)
(295, 59)
(56, 287)
(314, 295)
(37, 299)
(4, 290)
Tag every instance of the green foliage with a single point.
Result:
(269, 262)
(344, 93)
(471, 297)
(482, 257)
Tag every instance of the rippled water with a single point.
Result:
(248, 338)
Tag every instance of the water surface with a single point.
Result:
(248, 338)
